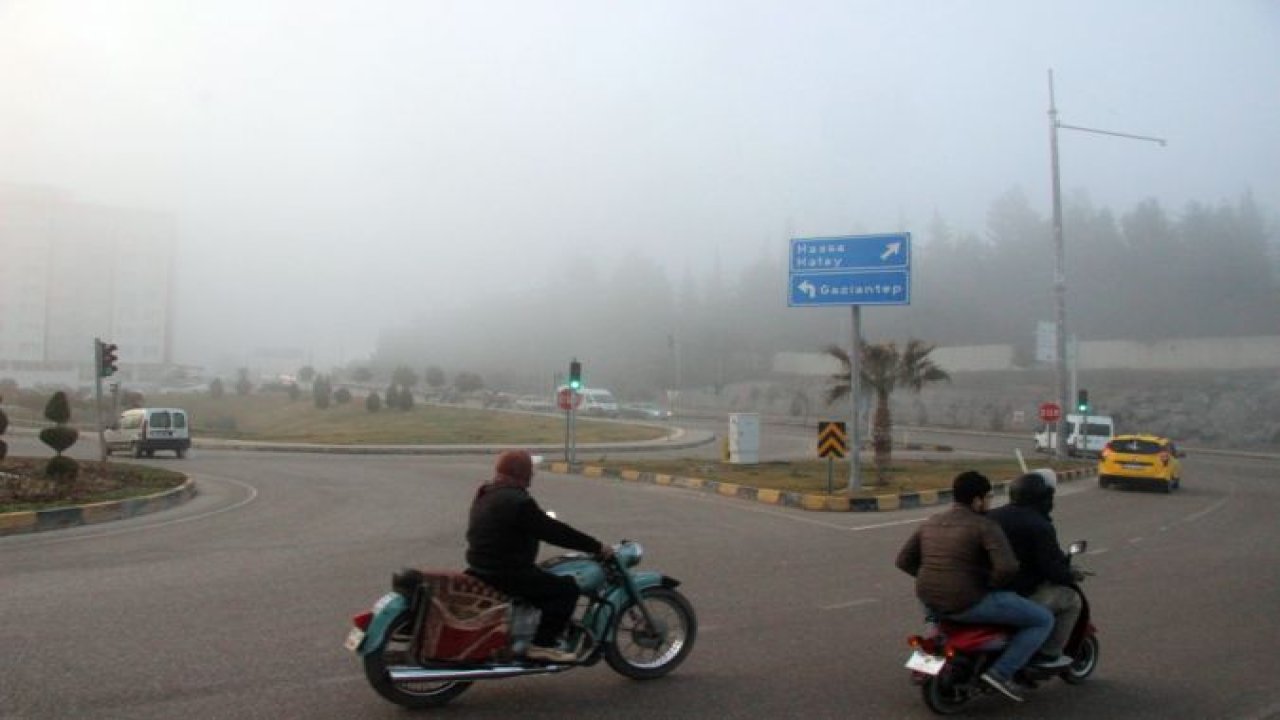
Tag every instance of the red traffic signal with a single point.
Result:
(108, 359)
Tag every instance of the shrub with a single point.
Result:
(294, 393)
(372, 402)
(4, 425)
(216, 389)
(405, 399)
(321, 392)
(342, 396)
(63, 468)
(60, 437)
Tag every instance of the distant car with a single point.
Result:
(644, 411)
(534, 403)
(1141, 460)
(142, 431)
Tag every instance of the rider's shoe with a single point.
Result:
(1041, 662)
(550, 654)
(1004, 687)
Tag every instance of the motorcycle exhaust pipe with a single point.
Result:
(409, 673)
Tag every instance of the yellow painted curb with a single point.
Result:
(889, 502)
(928, 497)
(593, 471)
(813, 502)
(560, 467)
(17, 521)
(729, 489)
(773, 497)
(662, 479)
(630, 474)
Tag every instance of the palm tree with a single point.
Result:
(884, 368)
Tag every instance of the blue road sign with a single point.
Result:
(851, 270)
(851, 252)
(885, 287)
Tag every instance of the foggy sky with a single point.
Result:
(333, 163)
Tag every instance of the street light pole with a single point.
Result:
(1060, 264)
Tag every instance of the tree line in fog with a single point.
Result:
(1145, 274)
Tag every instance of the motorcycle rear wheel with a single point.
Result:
(943, 698)
(644, 653)
(413, 694)
(1086, 661)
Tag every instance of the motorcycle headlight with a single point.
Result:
(629, 553)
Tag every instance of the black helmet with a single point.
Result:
(1034, 489)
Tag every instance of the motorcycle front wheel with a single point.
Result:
(644, 652)
(1086, 661)
(414, 694)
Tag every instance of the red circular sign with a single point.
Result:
(567, 399)
(1050, 412)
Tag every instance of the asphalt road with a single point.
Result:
(235, 604)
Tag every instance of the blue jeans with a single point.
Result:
(1032, 620)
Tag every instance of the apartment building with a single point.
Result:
(70, 272)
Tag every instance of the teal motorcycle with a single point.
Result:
(437, 632)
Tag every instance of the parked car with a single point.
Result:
(644, 411)
(1141, 460)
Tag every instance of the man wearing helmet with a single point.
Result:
(1044, 572)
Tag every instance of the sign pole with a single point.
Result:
(855, 377)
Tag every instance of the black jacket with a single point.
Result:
(505, 528)
(1035, 542)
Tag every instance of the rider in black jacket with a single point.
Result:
(1044, 571)
(505, 528)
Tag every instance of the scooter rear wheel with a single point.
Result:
(1086, 661)
(942, 697)
(413, 694)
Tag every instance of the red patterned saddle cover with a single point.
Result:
(468, 620)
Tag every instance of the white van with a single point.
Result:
(142, 431)
(596, 402)
(1097, 432)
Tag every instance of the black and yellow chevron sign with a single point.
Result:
(832, 440)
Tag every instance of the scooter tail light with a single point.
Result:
(362, 620)
(950, 652)
(915, 641)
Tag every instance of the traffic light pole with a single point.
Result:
(97, 399)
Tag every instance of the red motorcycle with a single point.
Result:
(948, 659)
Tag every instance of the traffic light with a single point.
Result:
(575, 375)
(108, 362)
(1082, 400)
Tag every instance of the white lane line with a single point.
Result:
(1212, 508)
(851, 603)
(253, 495)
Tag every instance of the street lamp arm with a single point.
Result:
(1161, 141)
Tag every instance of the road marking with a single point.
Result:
(253, 495)
(851, 603)
(1212, 508)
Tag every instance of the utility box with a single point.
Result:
(744, 438)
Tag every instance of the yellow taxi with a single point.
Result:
(1141, 460)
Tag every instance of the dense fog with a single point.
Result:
(505, 185)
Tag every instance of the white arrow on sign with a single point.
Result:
(890, 250)
(808, 289)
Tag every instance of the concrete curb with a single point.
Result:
(680, 439)
(802, 501)
(32, 521)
